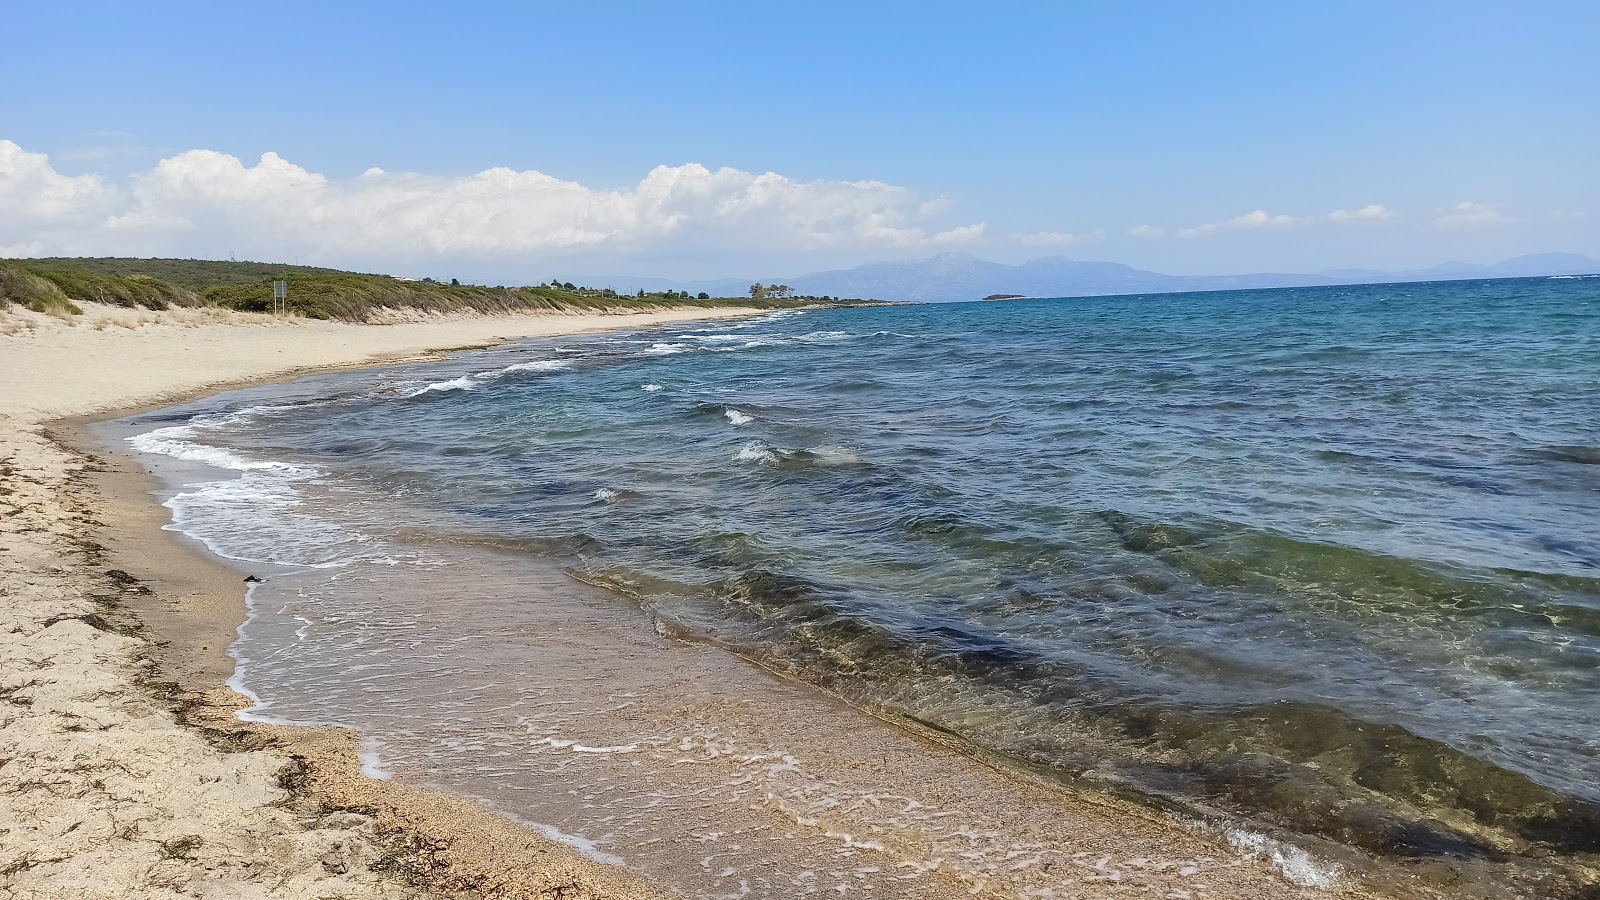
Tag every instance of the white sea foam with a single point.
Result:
(652, 388)
(371, 762)
(737, 417)
(576, 747)
(755, 451)
(175, 442)
(1297, 865)
(578, 842)
(661, 349)
(464, 383)
(608, 495)
(543, 365)
(254, 516)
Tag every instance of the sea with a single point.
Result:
(1318, 566)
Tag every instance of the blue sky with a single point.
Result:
(1441, 130)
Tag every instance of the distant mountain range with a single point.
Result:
(957, 276)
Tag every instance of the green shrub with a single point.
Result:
(19, 286)
(116, 290)
(313, 292)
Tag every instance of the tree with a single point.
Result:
(758, 291)
(568, 286)
(703, 296)
(780, 290)
(455, 283)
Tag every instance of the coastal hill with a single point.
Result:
(57, 285)
(958, 276)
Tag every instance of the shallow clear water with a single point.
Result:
(1324, 558)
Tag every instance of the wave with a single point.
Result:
(826, 455)
(174, 442)
(464, 383)
(737, 417)
(478, 379)
(666, 349)
(757, 452)
(178, 442)
(255, 516)
(543, 365)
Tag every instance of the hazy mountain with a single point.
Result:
(958, 276)
(1516, 267)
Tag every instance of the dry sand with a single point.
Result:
(122, 778)
(123, 772)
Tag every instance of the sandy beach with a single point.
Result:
(125, 772)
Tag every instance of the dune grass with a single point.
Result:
(23, 288)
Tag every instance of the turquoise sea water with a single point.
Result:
(1325, 558)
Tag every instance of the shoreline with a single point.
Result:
(304, 822)
(191, 610)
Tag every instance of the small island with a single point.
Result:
(1006, 297)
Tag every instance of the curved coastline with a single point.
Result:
(119, 624)
(327, 762)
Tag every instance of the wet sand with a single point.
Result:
(286, 811)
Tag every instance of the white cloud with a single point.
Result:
(1147, 231)
(1250, 221)
(1261, 220)
(1469, 213)
(965, 234)
(207, 203)
(1057, 238)
(21, 250)
(1372, 212)
(1570, 215)
(32, 192)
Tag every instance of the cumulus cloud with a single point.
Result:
(1147, 231)
(1261, 220)
(1250, 221)
(965, 234)
(33, 193)
(206, 203)
(1468, 213)
(1057, 238)
(1372, 212)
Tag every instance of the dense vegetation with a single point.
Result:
(193, 274)
(57, 285)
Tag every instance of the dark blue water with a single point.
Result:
(1325, 557)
